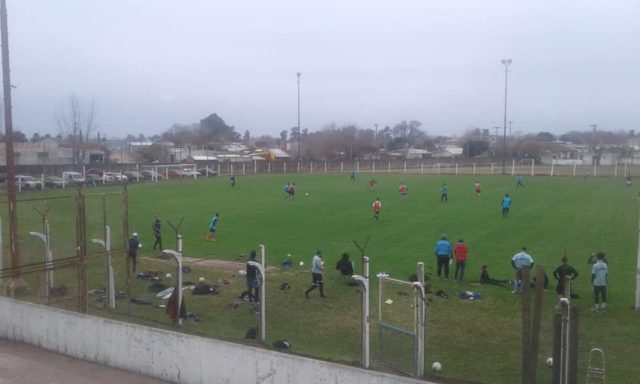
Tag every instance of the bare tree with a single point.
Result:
(76, 123)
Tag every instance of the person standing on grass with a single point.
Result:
(518, 262)
(403, 189)
(212, 227)
(232, 179)
(253, 280)
(157, 234)
(377, 207)
(519, 181)
(134, 244)
(476, 187)
(563, 271)
(460, 252)
(599, 276)
(444, 193)
(506, 204)
(353, 176)
(443, 252)
(317, 268)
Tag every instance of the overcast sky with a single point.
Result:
(152, 63)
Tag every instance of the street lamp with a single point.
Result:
(506, 63)
(299, 133)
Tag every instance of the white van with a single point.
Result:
(73, 178)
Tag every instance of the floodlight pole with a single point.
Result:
(47, 255)
(110, 285)
(178, 257)
(506, 63)
(263, 292)
(364, 281)
(420, 307)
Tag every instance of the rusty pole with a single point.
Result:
(8, 129)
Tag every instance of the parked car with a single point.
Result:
(134, 176)
(53, 182)
(24, 182)
(151, 175)
(94, 171)
(190, 172)
(114, 177)
(207, 172)
(175, 174)
(73, 178)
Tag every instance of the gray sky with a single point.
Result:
(152, 63)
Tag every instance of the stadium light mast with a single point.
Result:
(506, 63)
(299, 131)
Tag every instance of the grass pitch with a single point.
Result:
(474, 340)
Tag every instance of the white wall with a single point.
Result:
(169, 355)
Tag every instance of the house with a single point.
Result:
(50, 152)
(448, 151)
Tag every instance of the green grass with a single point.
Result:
(474, 340)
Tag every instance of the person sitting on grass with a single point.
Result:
(485, 279)
(345, 266)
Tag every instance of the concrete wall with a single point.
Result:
(168, 355)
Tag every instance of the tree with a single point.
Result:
(76, 122)
(246, 138)
(213, 130)
(18, 137)
(474, 148)
(545, 136)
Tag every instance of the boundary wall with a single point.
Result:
(168, 355)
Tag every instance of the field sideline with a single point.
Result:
(549, 215)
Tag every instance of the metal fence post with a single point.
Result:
(420, 307)
(364, 281)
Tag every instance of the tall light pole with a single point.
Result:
(299, 131)
(506, 63)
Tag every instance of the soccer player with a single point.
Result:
(253, 280)
(476, 187)
(520, 260)
(232, 179)
(563, 271)
(628, 180)
(444, 193)
(599, 275)
(519, 180)
(212, 227)
(403, 189)
(506, 204)
(377, 207)
(372, 184)
(486, 279)
(443, 252)
(317, 268)
(460, 252)
(353, 175)
(286, 190)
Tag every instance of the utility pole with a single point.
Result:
(510, 122)
(506, 63)
(8, 129)
(299, 130)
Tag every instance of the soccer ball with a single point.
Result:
(288, 255)
(550, 361)
(201, 279)
(436, 367)
(306, 194)
(168, 276)
(301, 263)
(139, 245)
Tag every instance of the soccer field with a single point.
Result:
(474, 340)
